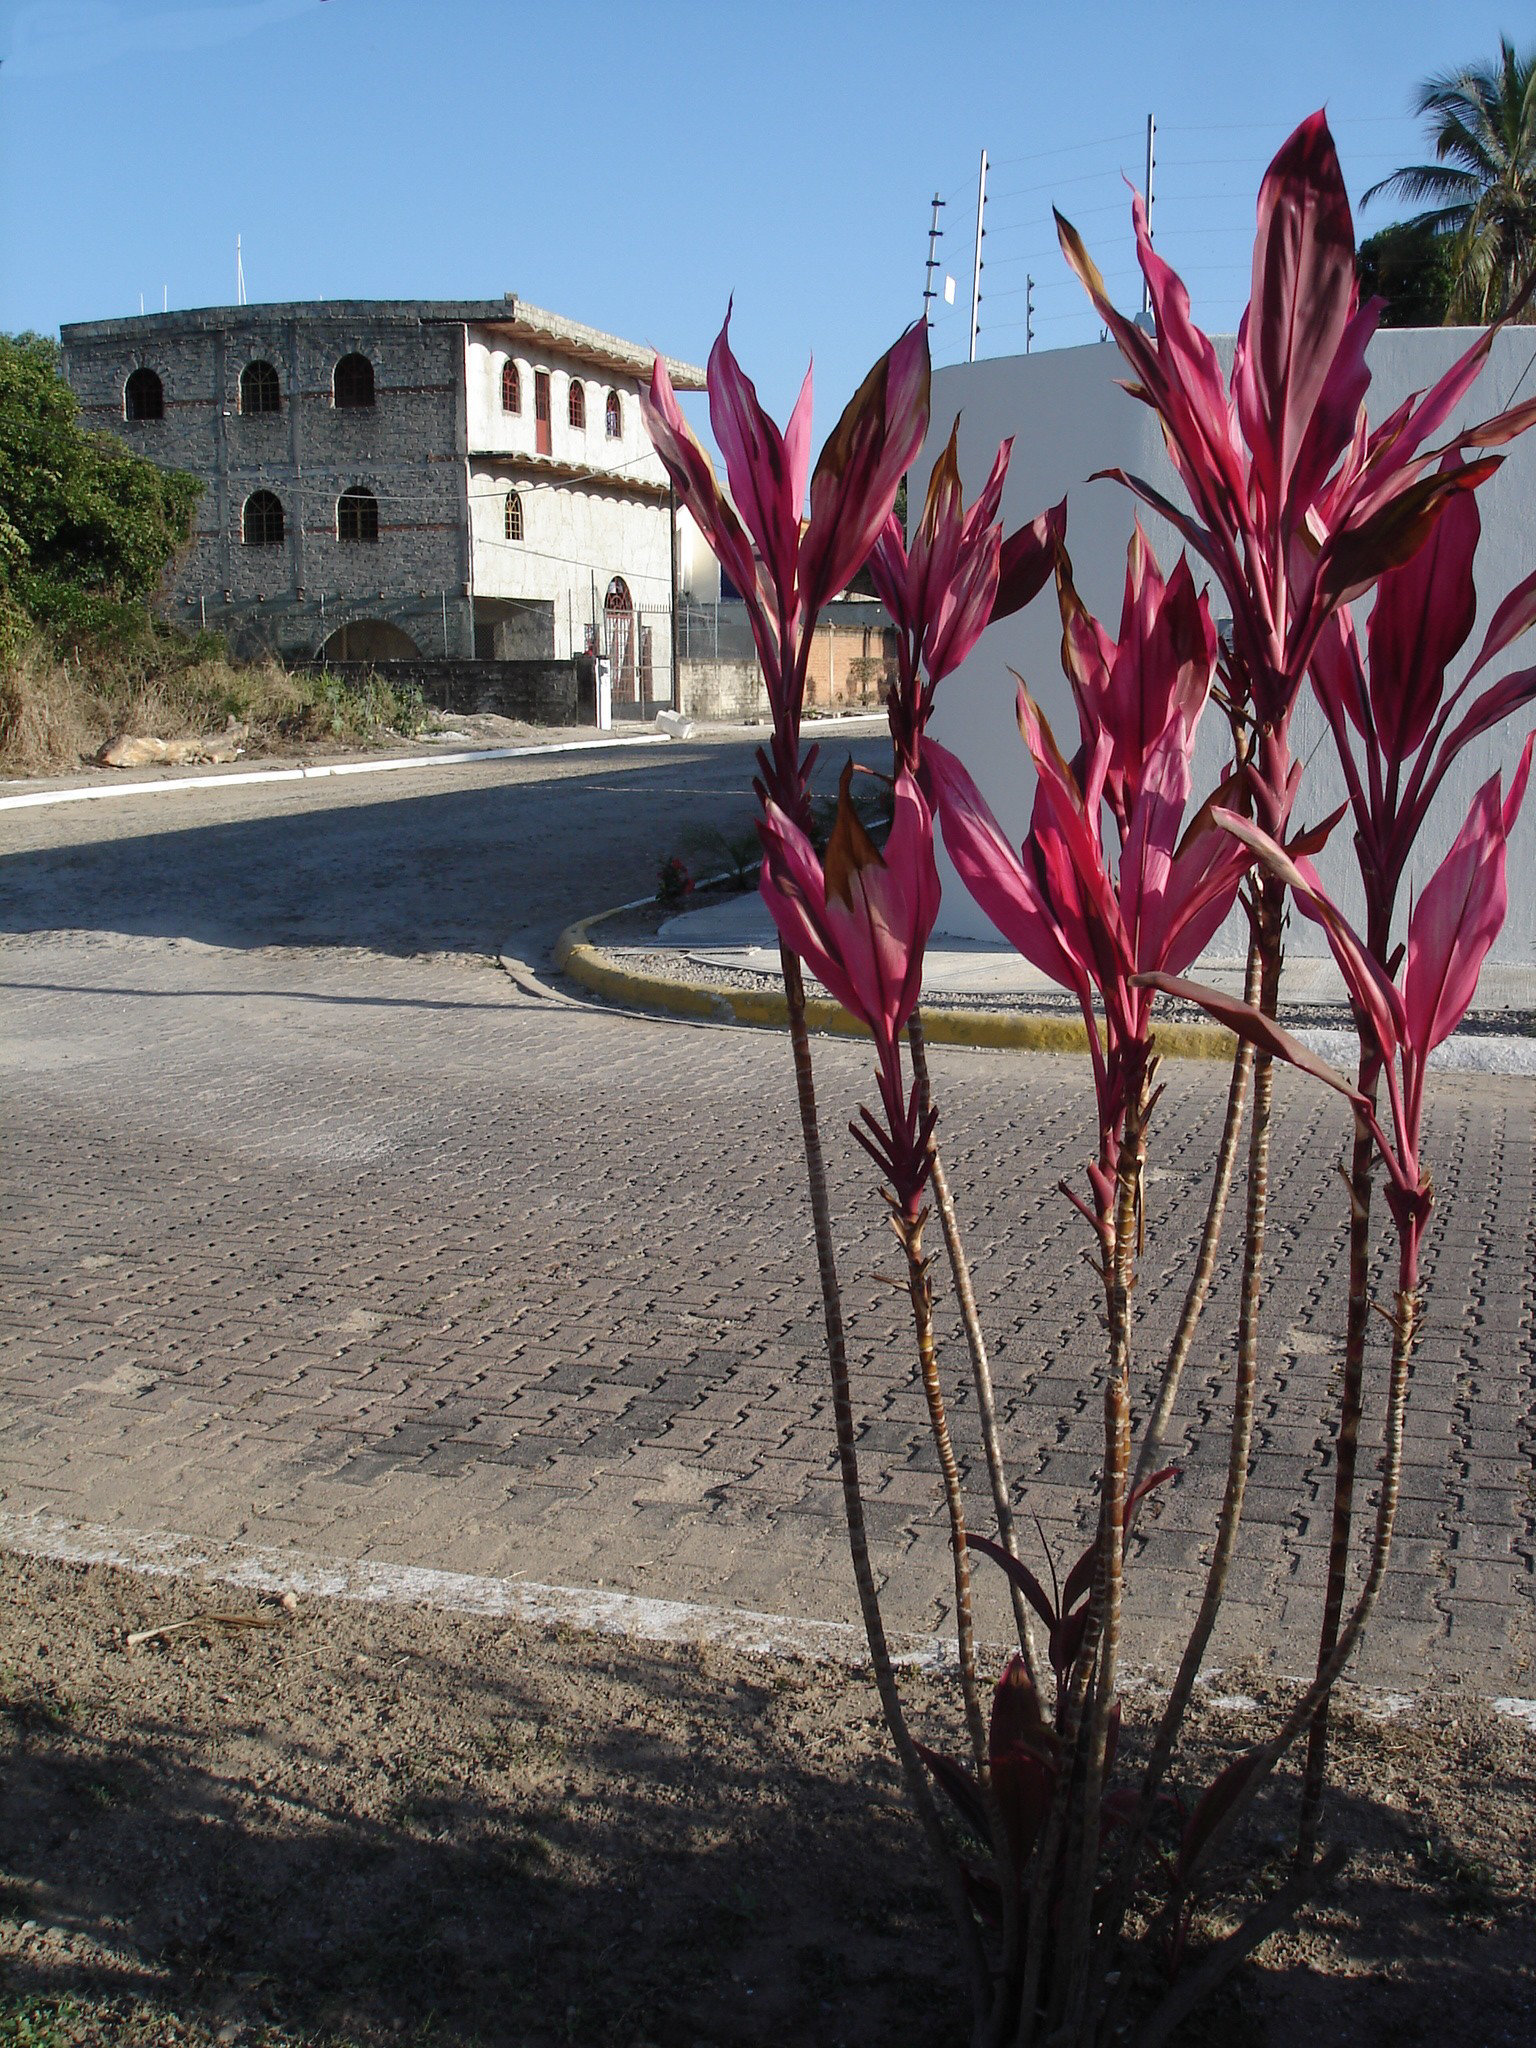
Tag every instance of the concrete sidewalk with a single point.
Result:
(723, 961)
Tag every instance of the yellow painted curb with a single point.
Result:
(997, 1030)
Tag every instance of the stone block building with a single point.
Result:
(402, 479)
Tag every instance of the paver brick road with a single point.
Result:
(309, 1240)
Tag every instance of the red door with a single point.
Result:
(541, 440)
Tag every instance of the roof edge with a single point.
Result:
(508, 312)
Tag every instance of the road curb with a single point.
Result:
(718, 1002)
(323, 771)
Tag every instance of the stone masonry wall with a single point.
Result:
(408, 449)
(537, 692)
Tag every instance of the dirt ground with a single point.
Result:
(363, 1825)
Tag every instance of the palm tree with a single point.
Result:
(1482, 189)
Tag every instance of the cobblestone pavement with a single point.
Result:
(375, 1255)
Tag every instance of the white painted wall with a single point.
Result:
(1069, 418)
(576, 538)
(491, 430)
(578, 533)
(698, 570)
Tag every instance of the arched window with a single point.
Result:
(511, 388)
(262, 524)
(143, 397)
(577, 407)
(259, 389)
(357, 514)
(613, 416)
(352, 384)
(514, 515)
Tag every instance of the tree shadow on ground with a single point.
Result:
(360, 1823)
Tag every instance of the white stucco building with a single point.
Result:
(1069, 418)
(399, 479)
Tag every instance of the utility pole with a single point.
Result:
(981, 214)
(1146, 289)
(677, 681)
(1029, 313)
(935, 236)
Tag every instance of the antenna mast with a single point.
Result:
(1146, 289)
(981, 214)
(935, 236)
(239, 274)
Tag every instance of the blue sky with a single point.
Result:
(632, 165)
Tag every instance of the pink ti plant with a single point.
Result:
(787, 570)
(1396, 733)
(1297, 503)
(787, 567)
(1095, 922)
(1400, 1022)
(1090, 921)
(1299, 506)
(860, 921)
(959, 576)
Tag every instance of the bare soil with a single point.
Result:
(362, 1825)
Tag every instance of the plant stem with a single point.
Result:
(1405, 1327)
(853, 1498)
(1345, 1454)
(920, 1291)
(1071, 1988)
(976, 1343)
(1210, 1242)
(1200, 1982)
(1267, 930)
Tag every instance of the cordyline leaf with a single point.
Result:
(1138, 1494)
(1337, 414)
(1369, 985)
(850, 849)
(1229, 793)
(1020, 1574)
(1496, 703)
(1516, 615)
(1338, 674)
(1212, 1807)
(1353, 559)
(962, 1789)
(857, 472)
(693, 475)
(1017, 1720)
(1023, 1784)
(1460, 914)
(766, 468)
(1247, 1021)
(1303, 296)
(1080, 1578)
(1024, 567)
(1191, 528)
(1420, 621)
(1305, 844)
(1504, 426)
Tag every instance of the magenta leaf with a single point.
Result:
(1421, 619)
(1020, 1574)
(1302, 301)
(1248, 1021)
(1516, 615)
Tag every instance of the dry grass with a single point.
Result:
(55, 713)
